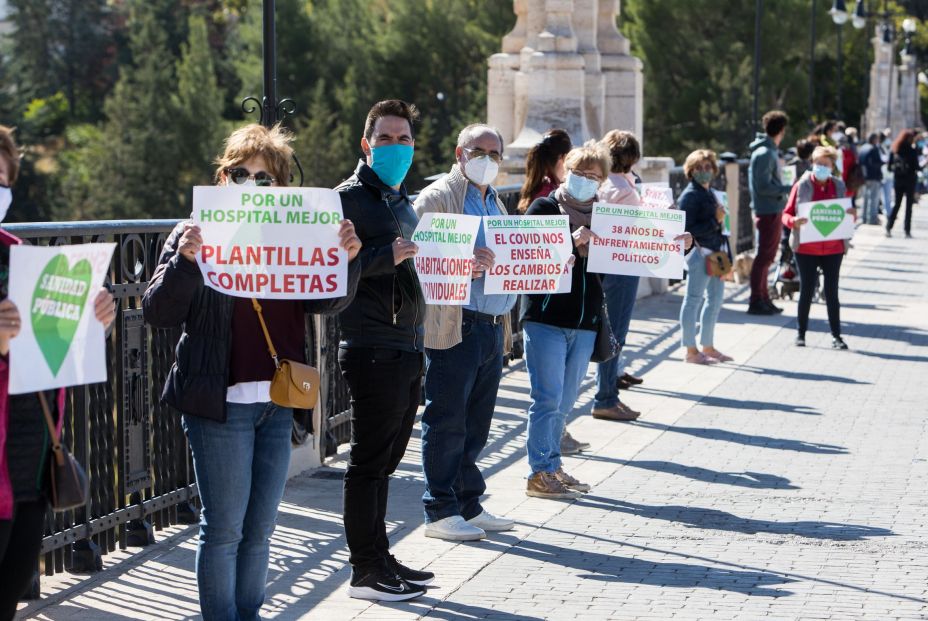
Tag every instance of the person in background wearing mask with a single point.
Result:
(560, 329)
(872, 163)
(620, 291)
(903, 161)
(381, 349)
(544, 167)
(24, 442)
(768, 195)
(817, 185)
(464, 349)
(704, 217)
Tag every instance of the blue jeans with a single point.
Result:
(872, 201)
(241, 469)
(887, 197)
(460, 396)
(702, 291)
(557, 360)
(620, 293)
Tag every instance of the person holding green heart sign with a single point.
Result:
(24, 438)
(817, 185)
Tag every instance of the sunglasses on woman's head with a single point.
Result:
(239, 175)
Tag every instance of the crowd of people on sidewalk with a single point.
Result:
(394, 346)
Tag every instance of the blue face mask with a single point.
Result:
(391, 162)
(581, 188)
(822, 173)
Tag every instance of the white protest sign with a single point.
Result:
(656, 196)
(443, 262)
(722, 198)
(828, 220)
(531, 254)
(271, 243)
(788, 174)
(60, 342)
(636, 241)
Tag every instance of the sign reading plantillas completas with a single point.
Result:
(444, 260)
(271, 243)
(636, 241)
(828, 220)
(60, 342)
(531, 254)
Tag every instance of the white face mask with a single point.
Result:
(836, 136)
(6, 198)
(481, 170)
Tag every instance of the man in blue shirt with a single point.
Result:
(464, 348)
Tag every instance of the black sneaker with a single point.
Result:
(800, 341)
(774, 308)
(410, 575)
(838, 343)
(759, 308)
(382, 585)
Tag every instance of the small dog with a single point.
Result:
(742, 267)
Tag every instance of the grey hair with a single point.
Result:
(476, 129)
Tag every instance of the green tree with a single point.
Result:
(142, 169)
(199, 102)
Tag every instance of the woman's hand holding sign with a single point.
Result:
(799, 222)
(10, 322)
(190, 242)
(103, 308)
(582, 236)
(687, 239)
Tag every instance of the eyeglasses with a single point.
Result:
(475, 153)
(240, 175)
(587, 175)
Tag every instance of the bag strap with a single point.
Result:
(267, 335)
(52, 430)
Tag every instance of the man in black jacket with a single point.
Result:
(872, 161)
(381, 351)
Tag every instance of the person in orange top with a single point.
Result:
(816, 185)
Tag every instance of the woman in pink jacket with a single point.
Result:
(24, 441)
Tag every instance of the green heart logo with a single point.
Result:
(57, 307)
(826, 218)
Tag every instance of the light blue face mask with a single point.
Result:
(822, 173)
(391, 162)
(581, 188)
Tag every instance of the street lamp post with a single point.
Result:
(839, 16)
(758, 9)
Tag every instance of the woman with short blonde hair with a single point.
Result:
(559, 330)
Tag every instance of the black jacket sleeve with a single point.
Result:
(373, 261)
(172, 287)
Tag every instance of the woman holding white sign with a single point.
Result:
(817, 185)
(704, 290)
(221, 384)
(24, 441)
(560, 329)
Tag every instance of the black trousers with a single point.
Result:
(20, 542)
(907, 191)
(385, 387)
(808, 265)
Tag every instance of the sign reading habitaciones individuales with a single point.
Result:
(444, 261)
(271, 243)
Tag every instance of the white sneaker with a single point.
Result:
(454, 528)
(489, 522)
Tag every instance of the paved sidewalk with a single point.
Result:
(789, 485)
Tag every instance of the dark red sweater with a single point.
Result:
(251, 361)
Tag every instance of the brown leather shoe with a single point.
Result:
(546, 485)
(570, 482)
(616, 412)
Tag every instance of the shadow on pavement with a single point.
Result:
(451, 611)
(737, 404)
(899, 357)
(756, 480)
(800, 375)
(615, 568)
(749, 439)
(714, 519)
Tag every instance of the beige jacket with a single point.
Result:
(443, 323)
